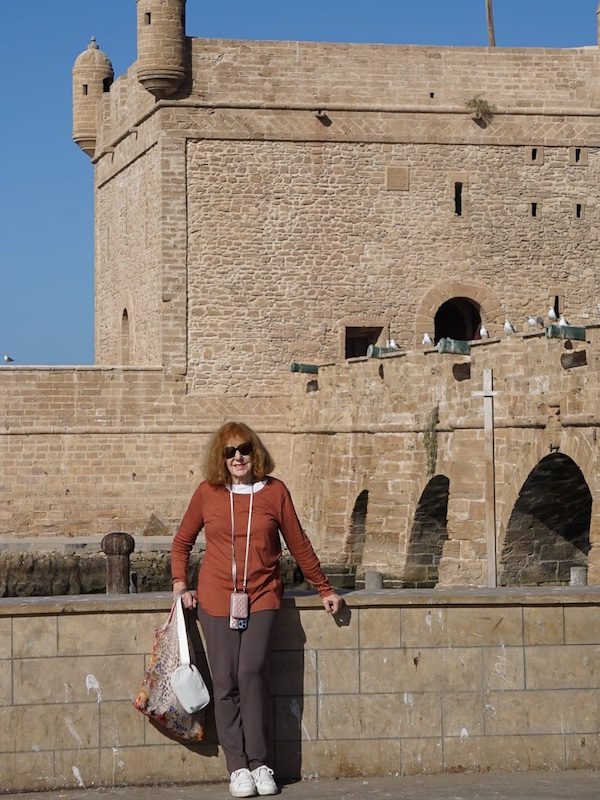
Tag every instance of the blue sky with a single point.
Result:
(46, 214)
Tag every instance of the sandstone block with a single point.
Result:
(503, 668)
(295, 718)
(125, 634)
(488, 753)
(83, 679)
(337, 671)
(34, 636)
(421, 756)
(379, 627)
(582, 625)
(462, 711)
(121, 725)
(414, 670)
(293, 672)
(567, 711)
(567, 667)
(543, 625)
(461, 627)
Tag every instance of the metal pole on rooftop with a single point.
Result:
(490, 23)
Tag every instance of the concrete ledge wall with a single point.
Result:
(418, 682)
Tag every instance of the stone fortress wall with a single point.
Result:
(278, 197)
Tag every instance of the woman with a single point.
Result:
(242, 510)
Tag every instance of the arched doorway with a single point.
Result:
(548, 530)
(457, 318)
(427, 536)
(358, 525)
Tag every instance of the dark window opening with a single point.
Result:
(359, 339)
(577, 155)
(148, 18)
(534, 153)
(458, 318)
(458, 188)
(106, 84)
(431, 94)
(578, 210)
(85, 88)
(534, 209)
(125, 354)
(556, 305)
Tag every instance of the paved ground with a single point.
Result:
(520, 786)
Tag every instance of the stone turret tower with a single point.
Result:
(161, 45)
(92, 76)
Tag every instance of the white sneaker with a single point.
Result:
(263, 780)
(241, 783)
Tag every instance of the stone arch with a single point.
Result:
(427, 536)
(355, 543)
(490, 309)
(548, 530)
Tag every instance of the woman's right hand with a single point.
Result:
(187, 595)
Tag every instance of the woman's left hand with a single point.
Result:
(332, 603)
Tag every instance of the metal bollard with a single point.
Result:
(578, 576)
(373, 581)
(117, 547)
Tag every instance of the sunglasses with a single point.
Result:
(243, 449)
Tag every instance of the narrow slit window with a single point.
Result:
(577, 155)
(106, 84)
(148, 18)
(458, 200)
(85, 88)
(556, 305)
(578, 210)
(534, 209)
(534, 153)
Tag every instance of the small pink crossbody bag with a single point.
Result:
(239, 602)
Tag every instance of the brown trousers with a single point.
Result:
(238, 666)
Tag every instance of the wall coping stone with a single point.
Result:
(451, 596)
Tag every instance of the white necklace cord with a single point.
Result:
(233, 562)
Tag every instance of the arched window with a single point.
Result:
(427, 536)
(356, 534)
(458, 318)
(125, 344)
(549, 528)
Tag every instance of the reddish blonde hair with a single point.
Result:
(215, 470)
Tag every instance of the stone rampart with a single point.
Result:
(418, 682)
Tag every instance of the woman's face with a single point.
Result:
(238, 457)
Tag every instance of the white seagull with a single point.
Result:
(552, 315)
(391, 343)
(563, 322)
(427, 339)
(483, 332)
(509, 328)
(7, 358)
(535, 322)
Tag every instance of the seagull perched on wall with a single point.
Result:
(535, 322)
(509, 328)
(552, 315)
(483, 332)
(563, 322)
(7, 358)
(392, 344)
(427, 339)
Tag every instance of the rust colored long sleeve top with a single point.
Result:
(273, 511)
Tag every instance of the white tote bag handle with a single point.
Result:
(184, 647)
(187, 683)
